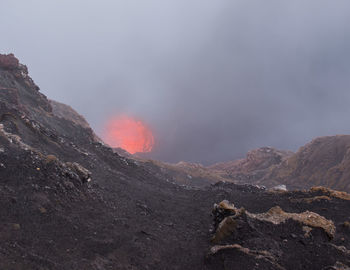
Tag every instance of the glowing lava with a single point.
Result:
(128, 133)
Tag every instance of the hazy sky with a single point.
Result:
(213, 78)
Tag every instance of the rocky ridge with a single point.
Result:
(325, 161)
(254, 166)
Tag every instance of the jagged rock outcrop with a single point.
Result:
(264, 237)
(9, 61)
(14, 80)
(124, 153)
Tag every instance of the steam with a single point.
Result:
(214, 79)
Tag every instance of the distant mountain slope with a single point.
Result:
(325, 161)
(182, 173)
(188, 174)
(254, 166)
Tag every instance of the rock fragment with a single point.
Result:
(84, 174)
(276, 216)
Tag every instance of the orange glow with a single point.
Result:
(128, 133)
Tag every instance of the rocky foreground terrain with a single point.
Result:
(67, 201)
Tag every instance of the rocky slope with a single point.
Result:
(254, 166)
(67, 201)
(67, 112)
(325, 161)
(183, 173)
(187, 174)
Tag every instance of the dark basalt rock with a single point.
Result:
(268, 239)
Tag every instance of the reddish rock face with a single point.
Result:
(8, 61)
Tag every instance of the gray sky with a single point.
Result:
(213, 79)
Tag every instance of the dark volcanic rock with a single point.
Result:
(129, 216)
(265, 240)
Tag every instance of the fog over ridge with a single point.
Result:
(213, 79)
